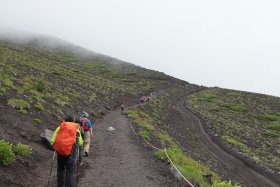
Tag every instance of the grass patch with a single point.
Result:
(193, 170)
(37, 120)
(7, 156)
(165, 139)
(8, 82)
(234, 107)
(275, 126)
(233, 94)
(159, 154)
(207, 98)
(145, 134)
(240, 146)
(23, 111)
(19, 104)
(144, 124)
(267, 117)
(39, 106)
(216, 109)
(21, 149)
(273, 134)
(133, 113)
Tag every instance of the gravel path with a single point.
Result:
(117, 159)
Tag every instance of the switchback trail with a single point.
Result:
(246, 174)
(117, 159)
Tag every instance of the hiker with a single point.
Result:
(77, 121)
(65, 140)
(87, 127)
(122, 107)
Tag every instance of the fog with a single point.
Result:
(230, 44)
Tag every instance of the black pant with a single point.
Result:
(65, 168)
(81, 153)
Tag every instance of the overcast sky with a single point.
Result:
(225, 43)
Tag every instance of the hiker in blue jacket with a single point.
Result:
(87, 127)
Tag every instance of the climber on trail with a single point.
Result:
(122, 107)
(77, 121)
(66, 140)
(87, 127)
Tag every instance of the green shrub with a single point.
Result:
(272, 134)
(159, 154)
(133, 113)
(8, 82)
(7, 156)
(21, 149)
(145, 134)
(275, 126)
(19, 104)
(3, 91)
(37, 120)
(39, 107)
(242, 147)
(225, 184)
(23, 111)
(207, 98)
(267, 117)
(234, 107)
(40, 85)
(217, 109)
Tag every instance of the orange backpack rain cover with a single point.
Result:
(65, 138)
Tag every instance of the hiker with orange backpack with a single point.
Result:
(66, 140)
(87, 127)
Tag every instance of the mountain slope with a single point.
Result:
(41, 83)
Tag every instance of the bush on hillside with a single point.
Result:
(21, 149)
(37, 120)
(7, 156)
(19, 104)
(39, 107)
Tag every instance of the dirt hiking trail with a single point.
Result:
(117, 159)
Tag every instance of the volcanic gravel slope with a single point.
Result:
(246, 175)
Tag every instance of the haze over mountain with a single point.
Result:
(226, 44)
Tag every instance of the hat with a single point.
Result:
(69, 118)
(85, 114)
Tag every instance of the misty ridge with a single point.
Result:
(58, 45)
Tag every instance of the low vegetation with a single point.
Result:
(55, 79)
(7, 156)
(190, 168)
(19, 104)
(9, 151)
(22, 150)
(248, 122)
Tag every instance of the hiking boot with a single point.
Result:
(81, 163)
(86, 154)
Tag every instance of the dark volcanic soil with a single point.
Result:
(245, 174)
(116, 159)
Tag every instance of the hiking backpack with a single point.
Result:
(66, 138)
(84, 124)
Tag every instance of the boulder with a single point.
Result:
(46, 137)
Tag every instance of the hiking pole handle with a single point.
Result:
(54, 153)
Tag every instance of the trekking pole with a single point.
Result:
(51, 169)
(77, 165)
